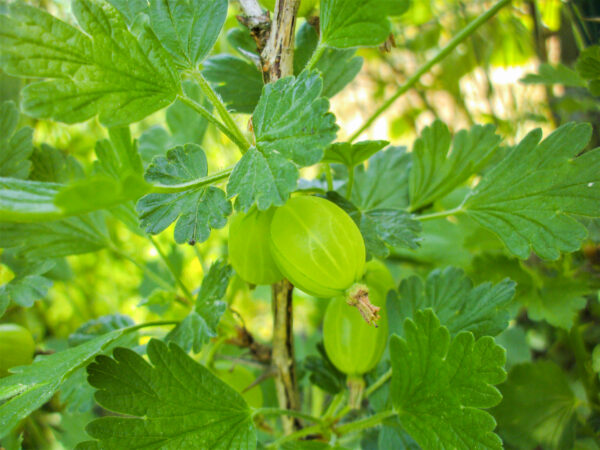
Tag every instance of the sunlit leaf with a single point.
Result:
(101, 68)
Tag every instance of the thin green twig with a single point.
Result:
(286, 412)
(188, 294)
(378, 383)
(151, 274)
(461, 36)
(315, 429)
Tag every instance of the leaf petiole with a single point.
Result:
(316, 56)
(440, 214)
(367, 422)
(350, 183)
(197, 183)
(208, 116)
(217, 102)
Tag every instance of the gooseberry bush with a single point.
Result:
(415, 348)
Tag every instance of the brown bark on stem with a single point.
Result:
(277, 57)
(283, 352)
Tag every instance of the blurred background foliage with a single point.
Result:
(487, 79)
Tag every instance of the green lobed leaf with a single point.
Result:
(382, 228)
(116, 178)
(188, 29)
(588, 63)
(70, 236)
(53, 165)
(201, 324)
(292, 119)
(337, 67)
(130, 9)
(185, 126)
(15, 146)
(384, 183)
(530, 197)
(238, 82)
(243, 43)
(460, 306)
(75, 392)
(171, 402)
(97, 327)
(102, 69)
(322, 371)
(436, 170)
(553, 293)
(441, 386)
(355, 23)
(292, 126)
(352, 155)
(28, 201)
(379, 201)
(32, 386)
(28, 285)
(196, 210)
(545, 416)
(550, 75)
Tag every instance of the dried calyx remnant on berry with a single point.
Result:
(358, 296)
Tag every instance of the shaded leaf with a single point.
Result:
(545, 416)
(530, 197)
(75, 391)
(337, 67)
(441, 386)
(28, 285)
(550, 75)
(553, 293)
(171, 402)
(15, 146)
(459, 305)
(51, 164)
(238, 82)
(352, 154)
(436, 170)
(384, 183)
(323, 373)
(116, 179)
(32, 386)
(201, 324)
